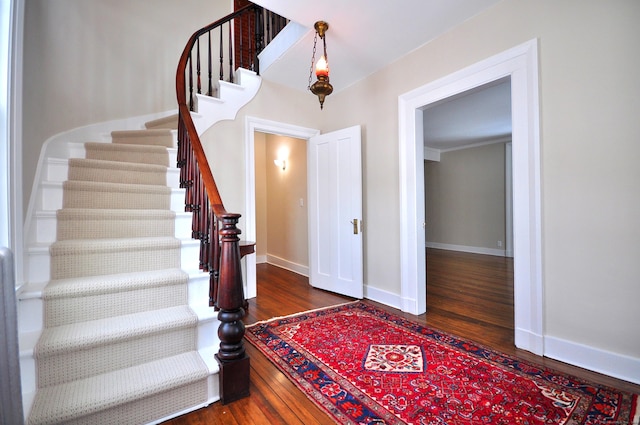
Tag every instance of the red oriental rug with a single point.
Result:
(364, 365)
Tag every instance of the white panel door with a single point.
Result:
(335, 212)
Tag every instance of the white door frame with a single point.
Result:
(253, 124)
(521, 64)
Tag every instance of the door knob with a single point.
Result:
(355, 226)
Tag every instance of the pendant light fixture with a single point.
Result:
(322, 87)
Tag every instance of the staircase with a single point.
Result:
(114, 320)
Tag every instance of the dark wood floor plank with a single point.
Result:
(468, 295)
(292, 405)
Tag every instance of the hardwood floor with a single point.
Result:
(471, 295)
(468, 295)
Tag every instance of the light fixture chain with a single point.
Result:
(313, 59)
(326, 57)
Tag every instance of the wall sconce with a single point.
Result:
(280, 163)
(322, 87)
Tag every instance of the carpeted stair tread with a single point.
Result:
(116, 187)
(115, 283)
(65, 402)
(151, 137)
(91, 223)
(116, 171)
(93, 246)
(79, 350)
(84, 335)
(143, 154)
(105, 352)
(92, 257)
(169, 122)
(97, 297)
(117, 214)
(87, 194)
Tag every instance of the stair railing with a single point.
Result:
(243, 35)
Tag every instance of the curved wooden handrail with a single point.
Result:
(220, 252)
(185, 115)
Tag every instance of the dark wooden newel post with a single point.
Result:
(233, 361)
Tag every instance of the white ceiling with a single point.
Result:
(364, 36)
(481, 115)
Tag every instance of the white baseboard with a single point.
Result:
(374, 294)
(616, 365)
(288, 265)
(470, 249)
(383, 297)
(529, 341)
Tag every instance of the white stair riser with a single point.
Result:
(173, 177)
(213, 384)
(198, 292)
(57, 169)
(30, 314)
(208, 334)
(177, 200)
(173, 156)
(39, 264)
(28, 378)
(183, 225)
(45, 223)
(77, 150)
(198, 296)
(190, 255)
(51, 196)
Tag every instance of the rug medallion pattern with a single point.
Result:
(363, 365)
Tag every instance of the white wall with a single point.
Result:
(465, 199)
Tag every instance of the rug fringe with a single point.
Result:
(301, 313)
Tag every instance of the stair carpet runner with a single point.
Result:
(119, 344)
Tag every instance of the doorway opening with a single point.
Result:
(281, 202)
(467, 172)
(521, 65)
(255, 126)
